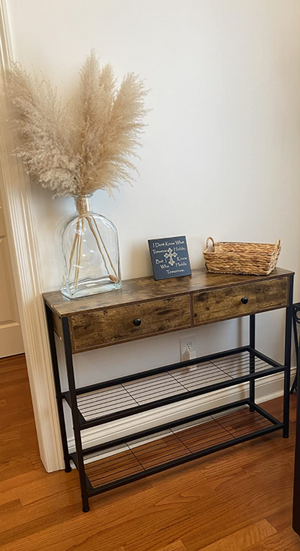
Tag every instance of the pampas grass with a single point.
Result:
(78, 147)
(86, 144)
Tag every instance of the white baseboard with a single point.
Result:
(266, 389)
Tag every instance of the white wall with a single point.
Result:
(221, 154)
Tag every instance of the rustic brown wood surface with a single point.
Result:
(115, 325)
(57, 325)
(235, 500)
(145, 288)
(104, 320)
(226, 303)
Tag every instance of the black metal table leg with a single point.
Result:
(287, 361)
(252, 361)
(75, 418)
(59, 398)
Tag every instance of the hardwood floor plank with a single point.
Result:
(286, 540)
(244, 538)
(175, 546)
(282, 518)
(37, 489)
(10, 507)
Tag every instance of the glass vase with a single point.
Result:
(90, 248)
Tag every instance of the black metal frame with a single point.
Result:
(79, 423)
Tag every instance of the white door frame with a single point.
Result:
(16, 197)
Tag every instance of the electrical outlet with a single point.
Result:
(187, 348)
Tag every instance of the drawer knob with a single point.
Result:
(137, 322)
(244, 300)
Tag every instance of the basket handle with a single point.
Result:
(207, 242)
(278, 244)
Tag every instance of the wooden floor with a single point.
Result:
(238, 499)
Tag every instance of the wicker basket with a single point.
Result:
(241, 258)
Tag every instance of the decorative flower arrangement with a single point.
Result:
(77, 148)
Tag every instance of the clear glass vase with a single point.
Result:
(90, 248)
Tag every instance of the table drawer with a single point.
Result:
(240, 300)
(115, 325)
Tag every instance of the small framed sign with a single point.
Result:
(170, 257)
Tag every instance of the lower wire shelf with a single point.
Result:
(199, 435)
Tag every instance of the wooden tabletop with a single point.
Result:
(145, 288)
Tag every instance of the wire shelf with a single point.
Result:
(137, 457)
(139, 392)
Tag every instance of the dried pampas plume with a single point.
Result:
(76, 150)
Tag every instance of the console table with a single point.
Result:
(143, 308)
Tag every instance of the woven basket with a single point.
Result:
(241, 258)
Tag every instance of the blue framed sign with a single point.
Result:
(169, 257)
